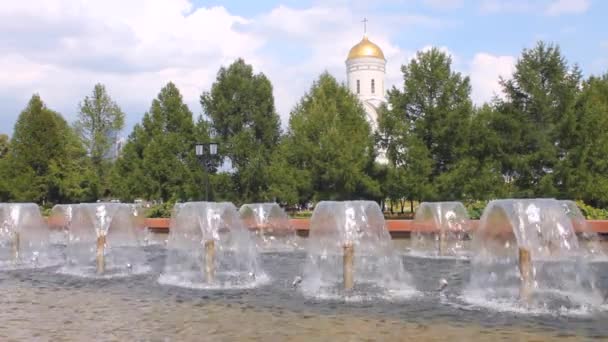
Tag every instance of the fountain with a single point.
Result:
(104, 241)
(350, 253)
(273, 232)
(589, 241)
(210, 247)
(139, 218)
(59, 222)
(440, 229)
(526, 252)
(25, 238)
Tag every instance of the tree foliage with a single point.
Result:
(583, 170)
(535, 122)
(328, 151)
(544, 136)
(46, 162)
(158, 160)
(240, 107)
(426, 129)
(99, 122)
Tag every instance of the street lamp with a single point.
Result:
(205, 152)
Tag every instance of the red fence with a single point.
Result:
(394, 226)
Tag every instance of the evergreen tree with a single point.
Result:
(46, 162)
(99, 122)
(5, 144)
(535, 122)
(426, 129)
(240, 107)
(158, 161)
(583, 171)
(329, 148)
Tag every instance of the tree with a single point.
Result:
(426, 130)
(582, 171)
(476, 175)
(100, 120)
(5, 144)
(329, 147)
(158, 161)
(535, 122)
(240, 107)
(46, 162)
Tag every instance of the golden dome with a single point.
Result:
(365, 48)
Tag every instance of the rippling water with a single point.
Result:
(44, 305)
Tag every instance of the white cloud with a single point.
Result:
(60, 49)
(558, 7)
(548, 7)
(502, 6)
(444, 4)
(485, 71)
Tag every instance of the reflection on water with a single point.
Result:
(40, 304)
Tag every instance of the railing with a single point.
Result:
(394, 226)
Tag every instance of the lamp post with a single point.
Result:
(205, 152)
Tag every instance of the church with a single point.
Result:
(365, 72)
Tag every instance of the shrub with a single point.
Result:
(161, 210)
(592, 213)
(475, 209)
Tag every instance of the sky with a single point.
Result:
(61, 48)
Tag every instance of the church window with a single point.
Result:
(373, 86)
(358, 87)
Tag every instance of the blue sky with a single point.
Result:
(61, 48)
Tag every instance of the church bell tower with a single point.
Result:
(365, 73)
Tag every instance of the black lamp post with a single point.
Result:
(205, 152)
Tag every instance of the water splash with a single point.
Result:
(377, 271)
(440, 230)
(209, 247)
(106, 233)
(59, 223)
(25, 238)
(589, 241)
(559, 275)
(271, 226)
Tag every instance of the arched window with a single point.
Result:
(358, 87)
(373, 86)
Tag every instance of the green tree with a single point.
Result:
(426, 130)
(535, 122)
(99, 122)
(240, 107)
(5, 145)
(158, 160)
(46, 162)
(582, 171)
(329, 147)
(476, 175)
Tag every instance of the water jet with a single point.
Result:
(350, 252)
(526, 251)
(59, 222)
(270, 224)
(104, 241)
(440, 229)
(210, 247)
(25, 237)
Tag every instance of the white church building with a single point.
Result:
(365, 73)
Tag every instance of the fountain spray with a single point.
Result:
(16, 242)
(442, 241)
